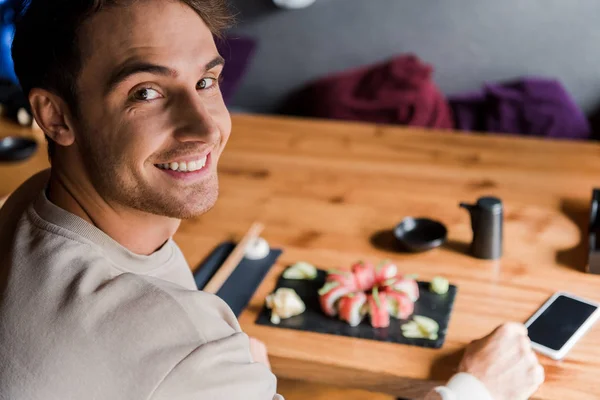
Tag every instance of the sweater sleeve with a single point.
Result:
(462, 386)
(221, 369)
(220, 366)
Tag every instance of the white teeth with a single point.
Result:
(185, 167)
(202, 161)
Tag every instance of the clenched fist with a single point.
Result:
(505, 363)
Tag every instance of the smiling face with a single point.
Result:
(152, 123)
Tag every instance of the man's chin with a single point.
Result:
(177, 208)
(190, 214)
(186, 211)
(185, 204)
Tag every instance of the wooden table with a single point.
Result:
(329, 193)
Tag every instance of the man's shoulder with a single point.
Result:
(126, 331)
(83, 294)
(22, 197)
(211, 316)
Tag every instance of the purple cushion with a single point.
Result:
(528, 106)
(237, 52)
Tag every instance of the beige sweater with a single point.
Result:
(81, 317)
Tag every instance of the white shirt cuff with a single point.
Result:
(462, 386)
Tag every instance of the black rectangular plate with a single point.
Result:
(239, 288)
(437, 307)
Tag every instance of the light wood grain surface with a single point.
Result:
(329, 193)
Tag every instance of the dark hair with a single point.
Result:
(45, 51)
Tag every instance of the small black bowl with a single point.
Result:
(14, 148)
(420, 234)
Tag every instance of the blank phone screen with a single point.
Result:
(559, 322)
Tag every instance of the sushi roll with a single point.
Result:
(364, 274)
(378, 311)
(329, 295)
(345, 278)
(399, 304)
(384, 271)
(404, 285)
(352, 308)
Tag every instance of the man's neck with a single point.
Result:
(140, 232)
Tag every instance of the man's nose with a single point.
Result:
(194, 120)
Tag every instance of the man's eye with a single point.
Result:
(146, 94)
(205, 83)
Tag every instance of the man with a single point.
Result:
(96, 300)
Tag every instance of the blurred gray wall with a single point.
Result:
(467, 41)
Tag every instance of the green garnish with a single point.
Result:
(399, 290)
(337, 272)
(388, 282)
(327, 287)
(412, 276)
(439, 285)
(421, 328)
(300, 270)
(426, 324)
(293, 273)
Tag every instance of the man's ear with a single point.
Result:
(53, 116)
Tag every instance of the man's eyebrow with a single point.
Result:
(218, 60)
(136, 67)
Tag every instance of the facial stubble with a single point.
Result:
(118, 180)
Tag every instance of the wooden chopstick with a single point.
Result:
(233, 260)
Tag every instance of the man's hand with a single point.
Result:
(505, 363)
(259, 352)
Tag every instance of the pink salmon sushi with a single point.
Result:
(399, 304)
(378, 311)
(352, 308)
(345, 278)
(364, 274)
(329, 295)
(384, 271)
(404, 285)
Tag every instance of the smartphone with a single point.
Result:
(560, 323)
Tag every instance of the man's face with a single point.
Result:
(152, 121)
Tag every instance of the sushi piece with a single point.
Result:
(330, 294)
(364, 274)
(404, 285)
(345, 278)
(384, 271)
(380, 316)
(352, 308)
(399, 304)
